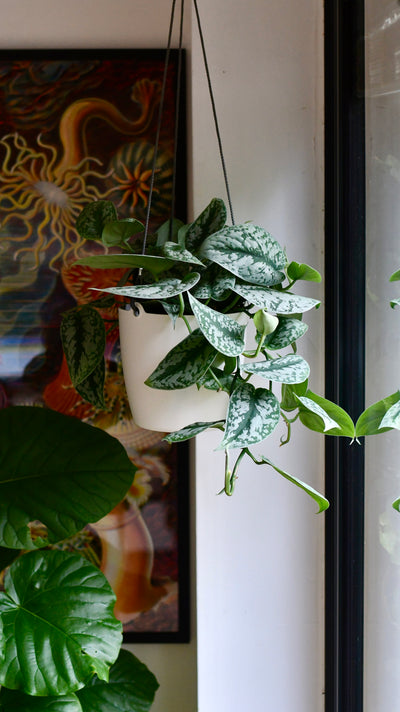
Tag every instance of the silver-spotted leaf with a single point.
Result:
(190, 431)
(84, 338)
(248, 252)
(164, 289)
(223, 332)
(286, 333)
(94, 216)
(59, 628)
(274, 300)
(184, 364)
(287, 369)
(58, 470)
(176, 252)
(212, 219)
(324, 416)
(253, 414)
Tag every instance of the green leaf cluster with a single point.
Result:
(59, 639)
(214, 271)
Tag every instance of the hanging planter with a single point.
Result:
(145, 340)
(206, 269)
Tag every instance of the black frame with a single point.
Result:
(345, 348)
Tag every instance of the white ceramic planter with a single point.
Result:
(145, 340)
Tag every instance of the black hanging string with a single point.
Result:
(160, 115)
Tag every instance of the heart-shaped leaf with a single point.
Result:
(275, 301)
(83, 338)
(212, 219)
(58, 470)
(253, 414)
(92, 388)
(131, 688)
(164, 289)
(117, 232)
(287, 369)
(248, 252)
(286, 333)
(303, 271)
(59, 628)
(224, 333)
(184, 364)
(94, 216)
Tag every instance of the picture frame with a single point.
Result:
(79, 125)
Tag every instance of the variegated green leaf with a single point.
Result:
(190, 431)
(216, 380)
(312, 406)
(370, 421)
(164, 289)
(184, 364)
(224, 333)
(248, 252)
(152, 263)
(391, 419)
(287, 369)
(84, 338)
(286, 333)
(94, 216)
(394, 303)
(215, 283)
(331, 418)
(275, 301)
(322, 502)
(176, 252)
(253, 414)
(212, 219)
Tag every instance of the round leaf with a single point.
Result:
(58, 624)
(58, 470)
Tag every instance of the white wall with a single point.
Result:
(259, 554)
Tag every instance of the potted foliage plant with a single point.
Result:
(210, 272)
(60, 643)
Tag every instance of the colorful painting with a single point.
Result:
(75, 127)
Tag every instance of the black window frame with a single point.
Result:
(345, 348)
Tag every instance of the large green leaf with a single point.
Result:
(94, 216)
(323, 416)
(58, 470)
(287, 369)
(248, 252)
(224, 333)
(84, 338)
(370, 421)
(274, 300)
(15, 701)
(287, 331)
(253, 414)
(212, 219)
(316, 496)
(184, 364)
(153, 263)
(131, 688)
(59, 628)
(164, 289)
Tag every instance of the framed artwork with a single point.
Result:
(75, 127)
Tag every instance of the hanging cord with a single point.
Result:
(177, 118)
(221, 153)
(159, 121)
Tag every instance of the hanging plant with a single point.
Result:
(209, 270)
